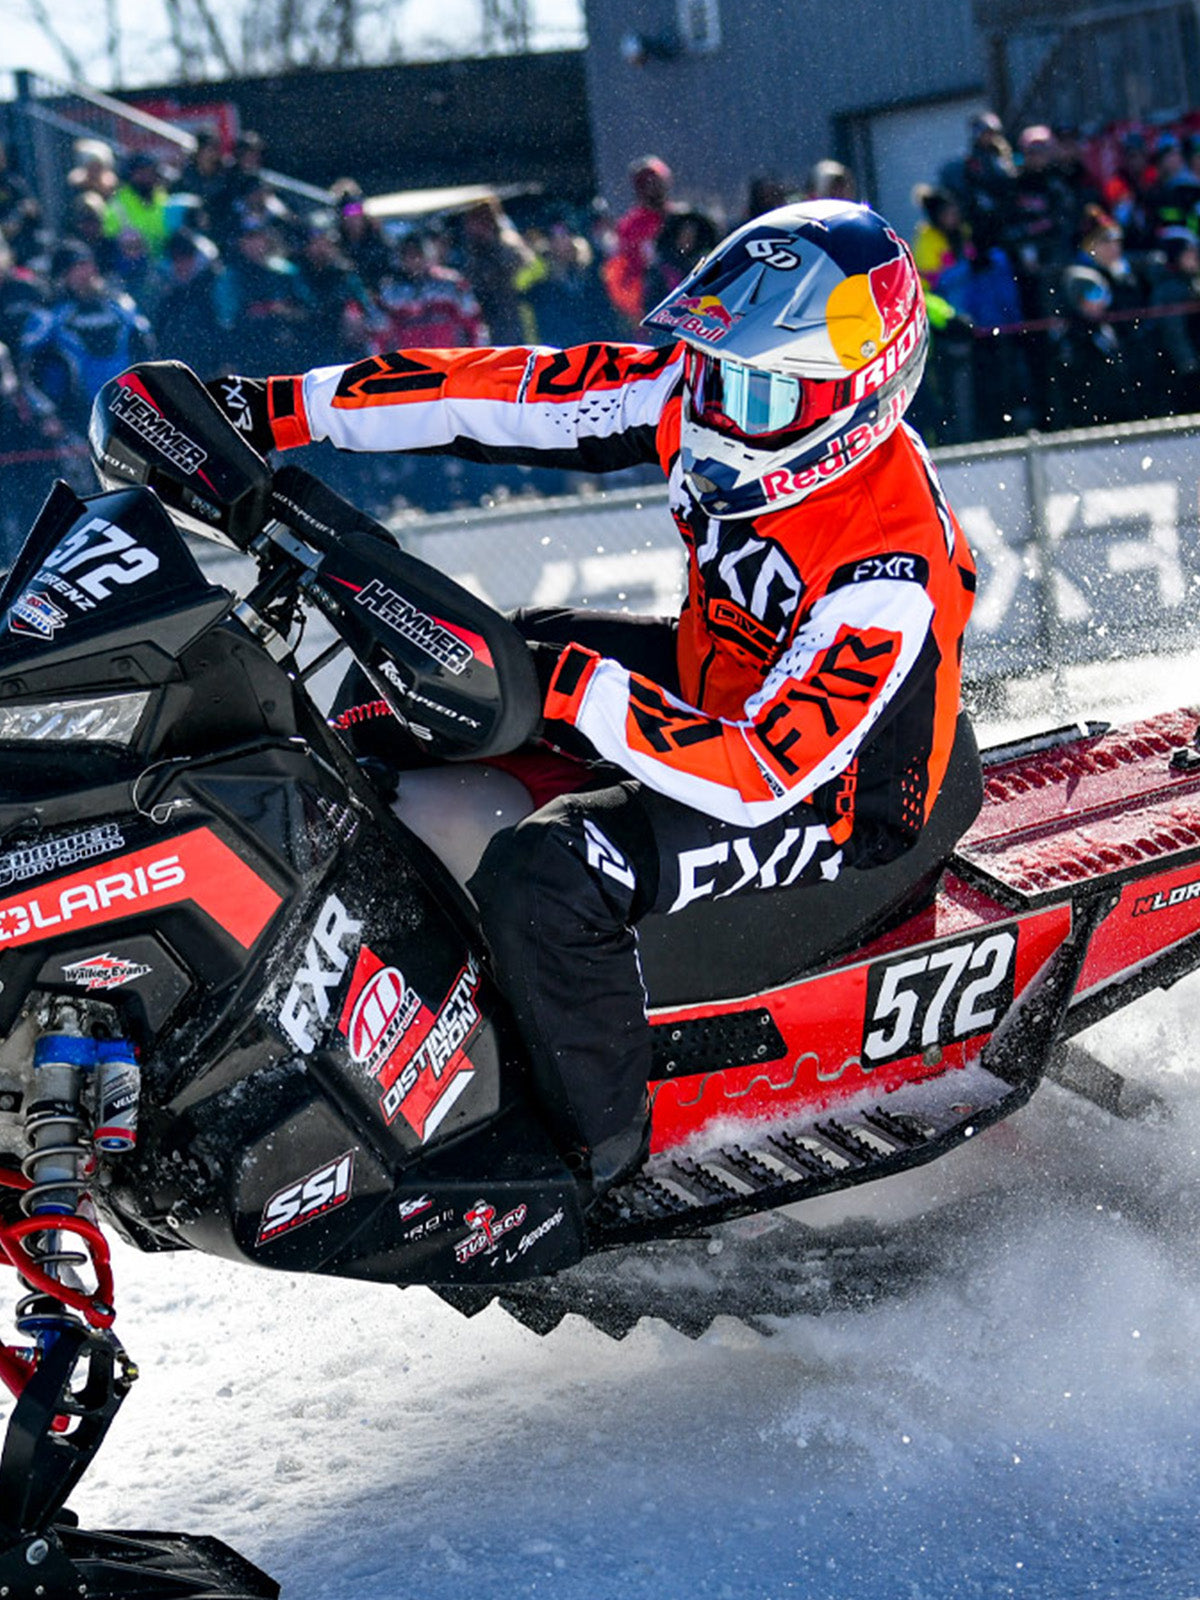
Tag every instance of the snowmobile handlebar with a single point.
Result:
(446, 662)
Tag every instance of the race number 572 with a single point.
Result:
(938, 996)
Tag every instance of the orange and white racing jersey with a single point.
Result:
(819, 647)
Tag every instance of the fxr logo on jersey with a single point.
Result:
(312, 1197)
(417, 1057)
(751, 588)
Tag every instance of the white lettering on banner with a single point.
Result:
(654, 577)
(1003, 565)
(1154, 504)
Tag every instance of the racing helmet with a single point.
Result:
(806, 338)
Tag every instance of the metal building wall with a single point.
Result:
(767, 98)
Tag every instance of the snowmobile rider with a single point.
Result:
(797, 717)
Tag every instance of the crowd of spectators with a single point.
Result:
(1061, 278)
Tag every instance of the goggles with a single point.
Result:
(751, 403)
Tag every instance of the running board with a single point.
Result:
(679, 1194)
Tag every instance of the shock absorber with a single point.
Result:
(58, 1165)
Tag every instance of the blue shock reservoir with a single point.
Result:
(118, 1089)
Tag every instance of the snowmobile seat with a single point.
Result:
(713, 951)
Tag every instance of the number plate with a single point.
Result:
(937, 997)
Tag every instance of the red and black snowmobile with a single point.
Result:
(244, 1011)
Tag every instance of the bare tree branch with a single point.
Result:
(40, 14)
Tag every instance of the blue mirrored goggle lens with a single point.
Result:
(759, 402)
(754, 402)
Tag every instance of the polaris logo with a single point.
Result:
(47, 910)
(168, 440)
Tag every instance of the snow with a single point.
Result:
(1021, 1420)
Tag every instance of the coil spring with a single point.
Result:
(36, 1312)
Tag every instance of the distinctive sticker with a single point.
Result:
(311, 1197)
(937, 997)
(417, 1057)
(35, 859)
(325, 961)
(104, 971)
(384, 1009)
(487, 1230)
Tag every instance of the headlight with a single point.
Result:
(106, 719)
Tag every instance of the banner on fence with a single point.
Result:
(1088, 546)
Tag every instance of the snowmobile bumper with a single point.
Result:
(67, 1561)
(44, 1554)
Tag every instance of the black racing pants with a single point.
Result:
(561, 894)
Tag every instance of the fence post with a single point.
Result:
(22, 127)
(1049, 622)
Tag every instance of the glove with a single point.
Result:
(244, 402)
(545, 659)
(575, 662)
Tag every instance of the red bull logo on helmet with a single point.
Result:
(704, 316)
(867, 310)
(893, 289)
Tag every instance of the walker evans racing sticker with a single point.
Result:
(104, 971)
(311, 1197)
(194, 867)
(416, 1056)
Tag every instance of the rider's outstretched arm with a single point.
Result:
(592, 408)
(853, 654)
